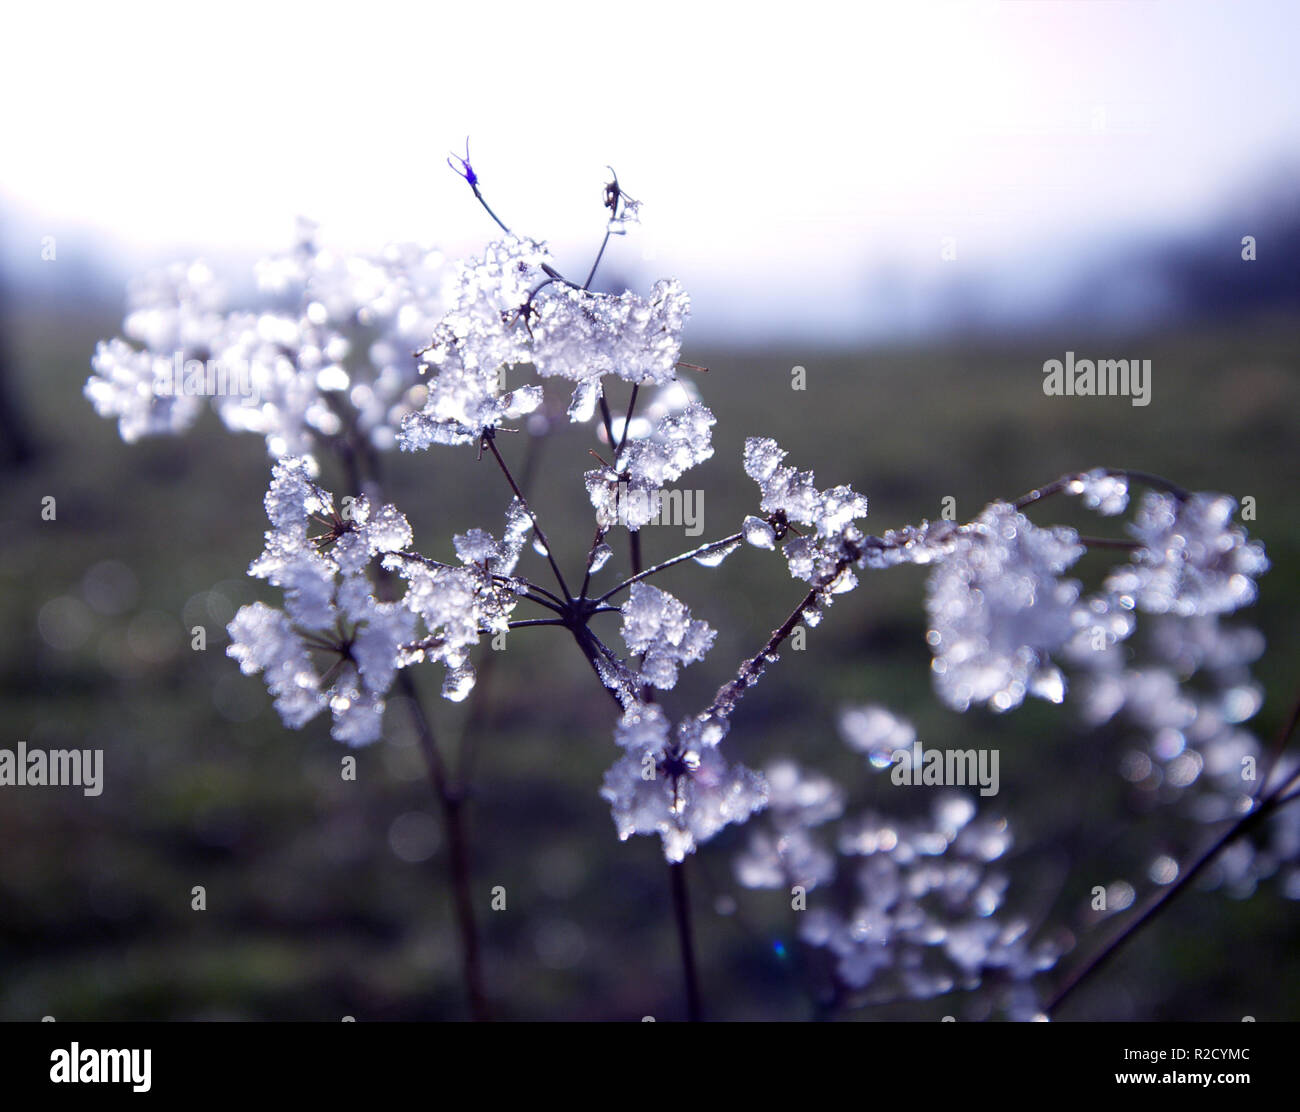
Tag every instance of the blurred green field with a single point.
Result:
(311, 914)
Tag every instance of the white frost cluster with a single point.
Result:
(329, 608)
(482, 333)
(1193, 559)
(783, 851)
(681, 789)
(581, 336)
(999, 609)
(821, 557)
(659, 627)
(508, 308)
(329, 334)
(923, 921)
(628, 493)
(458, 604)
(178, 309)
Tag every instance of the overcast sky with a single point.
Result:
(785, 153)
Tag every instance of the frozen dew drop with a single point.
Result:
(758, 532)
(458, 684)
(599, 558)
(714, 556)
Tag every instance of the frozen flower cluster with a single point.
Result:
(330, 611)
(679, 787)
(659, 629)
(999, 609)
(628, 491)
(782, 850)
(1192, 559)
(921, 911)
(178, 309)
(509, 307)
(923, 918)
(324, 350)
(790, 498)
(458, 604)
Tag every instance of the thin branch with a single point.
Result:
(490, 440)
(1156, 482)
(1279, 746)
(735, 538)
(599, 255)
(1271, 803)
(730, 693)
(627, 420)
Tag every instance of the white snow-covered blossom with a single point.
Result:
(581, 335)
(329, 336)
(176, 315)
(509, 308)
(680, 789)
(999, 609)
(821, 558)
(483, 333)
(1193, 559)
(629, 492)
(784, 851)
(660, 628)
(876, 731)
(1103, 492)
(458, 604)
(330, 608)
(924, 919)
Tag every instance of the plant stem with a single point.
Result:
(1271, 803)
(452, 802)
(682, 914)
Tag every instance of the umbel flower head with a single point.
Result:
(330, 612)
(681, 789)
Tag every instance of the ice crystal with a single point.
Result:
(458, 604)
(999, 610)
(1193, 560)
(823, 557)
(581, 335)
(681, 791)
(330, 608)
(660, 628)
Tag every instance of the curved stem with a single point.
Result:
(1271, 803)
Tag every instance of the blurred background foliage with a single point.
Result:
(328, 898)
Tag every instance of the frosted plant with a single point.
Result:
(1191, 559)
(680, 789)
(329, 608)
(344, 357)
(999, 610)
(174, 311)
(660, 630)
